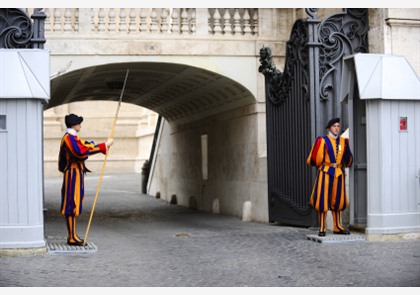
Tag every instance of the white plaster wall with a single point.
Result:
(396, 31)
(236, 170)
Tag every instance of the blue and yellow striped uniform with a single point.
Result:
(330, 156)
(71, 161)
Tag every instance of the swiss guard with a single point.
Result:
(330, 154)
(74, 151)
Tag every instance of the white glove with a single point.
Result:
(109, 142)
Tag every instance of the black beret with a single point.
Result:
(332, 122)
(72, 119)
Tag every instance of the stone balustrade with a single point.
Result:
(229, 22)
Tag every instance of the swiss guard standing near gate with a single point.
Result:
(330, 154)
(74, 151)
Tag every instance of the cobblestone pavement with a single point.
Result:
(146, 242)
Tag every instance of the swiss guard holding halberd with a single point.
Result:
(74, 151)
(330, 154)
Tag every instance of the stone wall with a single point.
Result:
(234, 170)
(396, 31)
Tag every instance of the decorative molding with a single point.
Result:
(402, 22)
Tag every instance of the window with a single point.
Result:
(2, 122)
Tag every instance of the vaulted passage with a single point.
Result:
(180, 93)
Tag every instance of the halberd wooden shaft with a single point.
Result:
(106, 157)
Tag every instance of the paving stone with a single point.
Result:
(136, 240)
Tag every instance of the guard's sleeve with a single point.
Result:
(316, 155)
(81, 149)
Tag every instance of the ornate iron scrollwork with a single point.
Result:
(340, 34)
(279, 84)
(311, 12)
(15, 28)
(18, 31)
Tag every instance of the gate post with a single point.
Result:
(313, 45)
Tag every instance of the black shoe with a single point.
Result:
(321, 234)
(342, 232)
(75, 243)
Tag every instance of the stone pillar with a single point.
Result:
(24, 89)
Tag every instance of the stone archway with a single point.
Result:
(180, 93)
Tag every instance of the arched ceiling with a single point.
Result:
(178, 92)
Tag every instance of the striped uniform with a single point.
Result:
(71, 161)
(330, 156)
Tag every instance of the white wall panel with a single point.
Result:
(4, 185)
(393, 163)
(11, 166)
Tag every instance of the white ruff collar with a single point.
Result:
(71, 131)
(332, 135)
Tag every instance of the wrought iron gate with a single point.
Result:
(300, 100)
